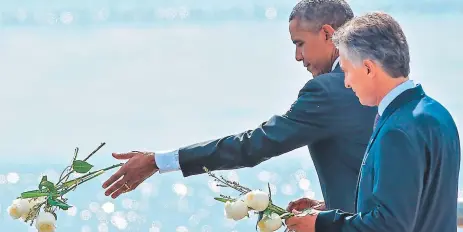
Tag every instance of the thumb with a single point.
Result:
(296, 212)
(122, 156)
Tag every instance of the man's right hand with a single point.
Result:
(305, 203)
(139, 167)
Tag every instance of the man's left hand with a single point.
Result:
(302, 223)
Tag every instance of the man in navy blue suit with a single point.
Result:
(326, 117)
(409, 176)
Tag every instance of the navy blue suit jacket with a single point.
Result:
(326, 117)
(409, 176)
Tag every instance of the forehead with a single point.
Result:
(299, 25)
(299, 30)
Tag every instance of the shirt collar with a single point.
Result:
(336, 62)
(393, 94)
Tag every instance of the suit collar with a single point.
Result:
(405, 97)
(336, 67)
(335, 63)
(393, 94)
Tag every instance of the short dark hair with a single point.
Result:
(320, 12)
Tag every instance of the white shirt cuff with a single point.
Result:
(167, 161)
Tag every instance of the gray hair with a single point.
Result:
(320, 12)
(375, 36)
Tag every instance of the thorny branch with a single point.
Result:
(227, 183)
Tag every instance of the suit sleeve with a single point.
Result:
(309, 119)
(398, 182)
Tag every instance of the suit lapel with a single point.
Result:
(401, 100)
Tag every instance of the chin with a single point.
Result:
(366, 103)
(315, 74)
(363, 101)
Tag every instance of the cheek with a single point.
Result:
(365, 87)
(311, 50)
(356, 82)
(350, 79)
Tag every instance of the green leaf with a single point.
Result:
(268, 212)
(57, 202)
(44, 183)
(80, 166)
(221, 199)
(33, 194)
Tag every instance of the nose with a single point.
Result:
(299, 56)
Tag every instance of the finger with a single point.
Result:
(291, 223)
(124, 189)
(120, 191)
(114, 177)
(135, 185)
(294, 204)
(298, 206)
(296, 211)
(290, 206)
(116, 186)
(123, 156)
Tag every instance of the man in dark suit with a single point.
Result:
(326, 117)
(409, 176)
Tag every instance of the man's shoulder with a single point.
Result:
(425, 115)
(328, 82)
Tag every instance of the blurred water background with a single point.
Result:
(156, 75)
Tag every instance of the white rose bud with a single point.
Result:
(45, 222)
(270, 223)
(31, 203)
(19, 208)
(257, 200)
(236, 210)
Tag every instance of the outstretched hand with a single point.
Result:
(139, 167)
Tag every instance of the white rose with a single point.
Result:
(270, 223)
(45, 222)
(257, 200)
(236, 210)
(31, 203)
(19, 208)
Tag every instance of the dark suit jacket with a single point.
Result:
(326, 117)
(409, 176)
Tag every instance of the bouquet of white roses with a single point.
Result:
(40, 205)
(270, 217)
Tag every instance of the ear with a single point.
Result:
(327, 31)
(370, 68)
